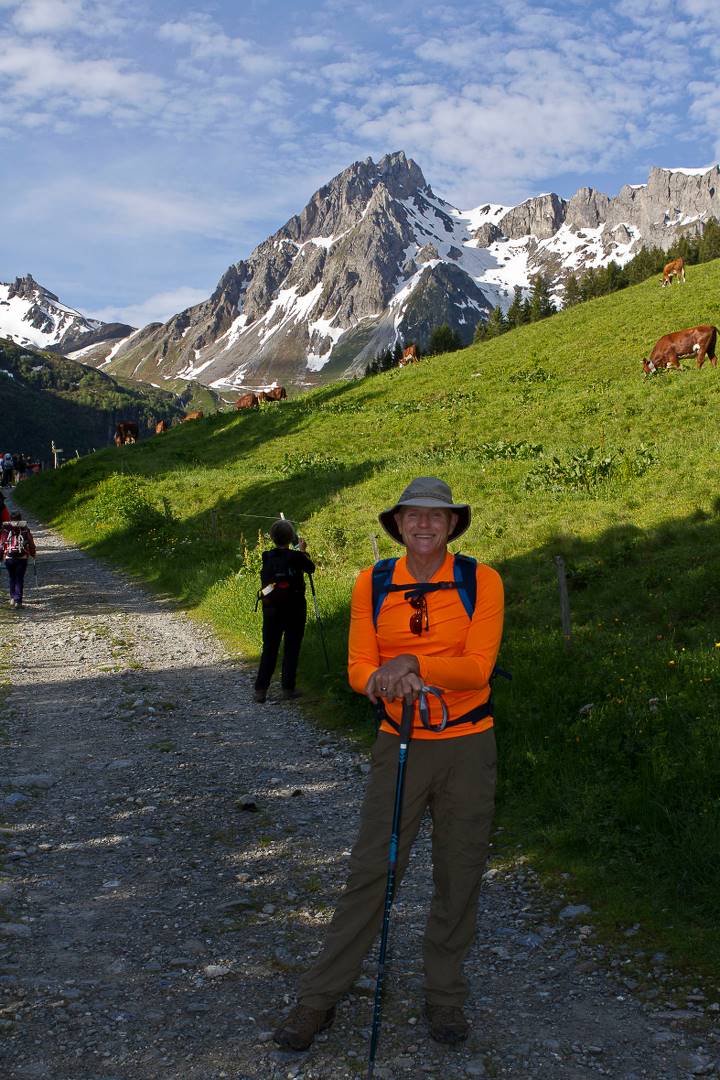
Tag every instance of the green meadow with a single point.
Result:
(610, 749)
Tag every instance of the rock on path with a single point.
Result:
(170, 853)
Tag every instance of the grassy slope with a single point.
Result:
(623, 793)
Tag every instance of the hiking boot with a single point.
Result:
(290, 694)
(13, 603)
(260, 696)
(301, 1025)
(447, 1023)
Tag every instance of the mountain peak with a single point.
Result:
(27, 288)
(31, 315)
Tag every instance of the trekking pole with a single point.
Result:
(319, 622)
(405, 736)
(35, 571)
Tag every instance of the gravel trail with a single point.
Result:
(170, 853)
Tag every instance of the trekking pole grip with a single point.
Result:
(406, 721)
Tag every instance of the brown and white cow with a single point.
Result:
(197, 415)
(675, 268)
(247, 401)
(409, 356)
(695, 341)
(160, 427)
(278, 393)
(126, 432)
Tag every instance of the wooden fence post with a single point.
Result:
(376, 553)
(564, 601)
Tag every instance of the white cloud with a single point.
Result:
(310, 43)
(157, 308)
(64, 82)
(83, 18)
(41, 16)
(206, 41)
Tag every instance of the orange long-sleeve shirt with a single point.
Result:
(454, 654)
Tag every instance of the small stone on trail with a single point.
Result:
(216, 971)
(572, 911)
(247, 802)
(475, 1067)
(15, 799)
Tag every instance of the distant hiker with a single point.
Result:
(16, 547)
(21, 466)
(4, 512)
(284, 610)
(8, 467)
(435, 619)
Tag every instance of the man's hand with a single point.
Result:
(397, 678)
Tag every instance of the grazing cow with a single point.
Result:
(197, 415)
(126, 432)
(247, 401)
(276, 394)
(160, 427)
(675, 268)
(409, 356)
(696, 340)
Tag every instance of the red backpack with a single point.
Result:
(15, 545)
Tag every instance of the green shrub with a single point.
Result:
(589, 469)
(310, 461)
(509, 451)
(123, 500)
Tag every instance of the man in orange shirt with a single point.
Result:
(421, 633)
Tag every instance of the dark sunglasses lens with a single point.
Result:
(416, 622)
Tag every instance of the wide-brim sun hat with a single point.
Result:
(431, 492)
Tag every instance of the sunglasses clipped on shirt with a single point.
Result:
(419, 620)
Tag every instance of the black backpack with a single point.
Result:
(280, 580)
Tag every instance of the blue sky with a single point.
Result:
(146, 146)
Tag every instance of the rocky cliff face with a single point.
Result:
(540, 217)
(329, 290)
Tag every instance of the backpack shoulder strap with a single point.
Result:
(464, 571)
(382, 574)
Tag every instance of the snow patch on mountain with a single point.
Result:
(31, 315)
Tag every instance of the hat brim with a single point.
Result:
(387, 518)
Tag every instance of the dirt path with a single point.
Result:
(152, 928)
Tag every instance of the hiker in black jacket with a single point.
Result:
(284, 609)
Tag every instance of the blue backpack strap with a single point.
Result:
(382, 574)
(464, 571)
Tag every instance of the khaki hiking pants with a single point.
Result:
(456, 779)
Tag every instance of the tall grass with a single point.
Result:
(611, 750)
